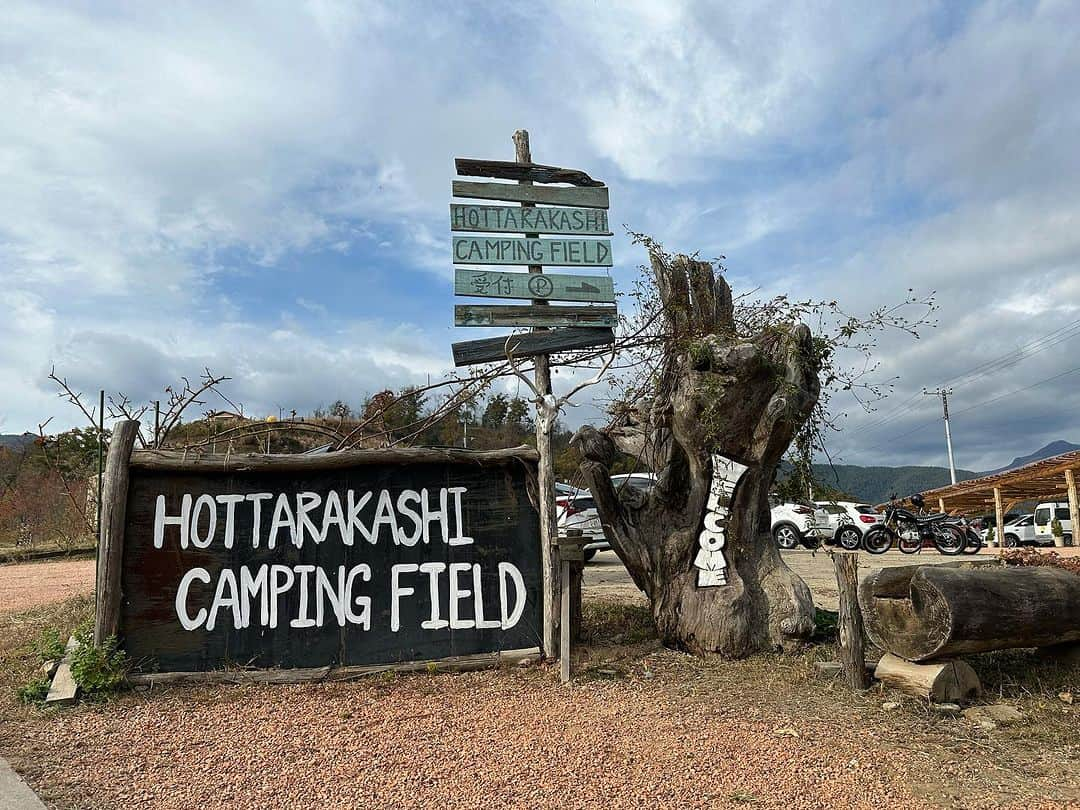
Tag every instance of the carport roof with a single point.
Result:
(1040, 480)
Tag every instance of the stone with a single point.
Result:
(992, 715)
(949, 709)
(889, 706)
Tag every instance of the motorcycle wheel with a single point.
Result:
(878, 540)
(909, 546)
(974, 542)
(954, 542)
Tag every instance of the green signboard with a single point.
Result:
(537, 286)
(510, 250)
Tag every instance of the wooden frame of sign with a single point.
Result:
(200, 555)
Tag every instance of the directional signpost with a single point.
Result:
(572, 216)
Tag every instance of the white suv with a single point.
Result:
(795, 523)
(848, 521)
(576, 509)
(1045, 514)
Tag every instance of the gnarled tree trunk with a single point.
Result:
(725, 410)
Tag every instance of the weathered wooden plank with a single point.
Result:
(490, 350)
(515, 250)
(63, 689)
(546, 316)
(178, 461)
(457, 663)
(507, 219)
(114, 496)
(546, 287)
(545, 195)
(534, 172)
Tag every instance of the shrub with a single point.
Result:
(49, 646)
(33, 691)
(97, 669)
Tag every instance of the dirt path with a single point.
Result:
(27, 585)
(477, 740)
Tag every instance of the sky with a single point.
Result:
(262, 188)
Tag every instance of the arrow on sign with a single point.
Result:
(584, 287)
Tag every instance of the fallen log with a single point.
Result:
(947, 681)
(922, 612)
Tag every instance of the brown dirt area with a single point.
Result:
(639, 726)
(27, 585)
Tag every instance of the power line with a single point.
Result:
(1047, 341)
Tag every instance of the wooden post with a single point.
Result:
(113, 510)
(999, 514)
(852, 656)
(1074, 511)
(546, 482)
(941, 505)
(564, 636)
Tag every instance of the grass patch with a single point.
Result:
(608, 621)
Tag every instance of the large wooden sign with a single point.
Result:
(345, 559)
(506, 219)
(546, 287)
(509, 250)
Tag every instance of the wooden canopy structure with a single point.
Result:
(1045, 480)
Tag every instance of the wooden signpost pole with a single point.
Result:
(548, 527)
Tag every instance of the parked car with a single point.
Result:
(640, 480)
(848, 521)
(795, 523)
(1045, 514)
(576, 509)
(1020, 531)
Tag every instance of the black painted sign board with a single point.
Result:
(377, 562)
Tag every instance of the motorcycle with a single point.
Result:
(910, 530)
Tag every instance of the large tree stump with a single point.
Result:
(947, 681)
(725, 409)
(932, 611)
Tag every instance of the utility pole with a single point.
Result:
(944, 394)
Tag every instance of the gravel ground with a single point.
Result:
(27, 585)
(476, 740)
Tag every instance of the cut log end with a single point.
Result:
(947, 681)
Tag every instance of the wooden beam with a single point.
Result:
(545, 195)
(532, 172)
(459, 663)
(532, 315)
(508, 219)
(1074, 511)
(534, 286)
(999, 515)
(114, 494)
(184, 461)
(515, 250)
(491, 350)
(941, 504)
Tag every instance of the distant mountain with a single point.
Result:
(876, 484)
(1052, 449)
(15, 441)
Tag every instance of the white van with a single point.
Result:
(1044, 516)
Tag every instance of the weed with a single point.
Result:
(49, 645)
(33, 691)
(97, 669)
(825, 625)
